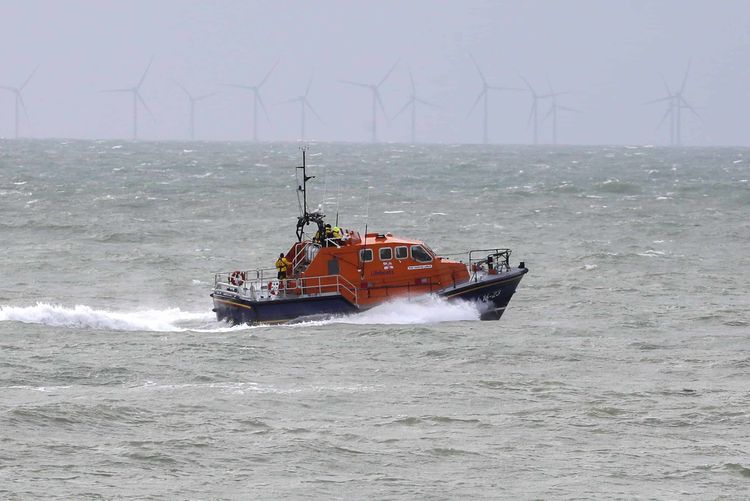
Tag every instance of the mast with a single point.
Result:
(307, 217)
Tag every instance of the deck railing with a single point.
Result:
(488, 261)
(260, 285)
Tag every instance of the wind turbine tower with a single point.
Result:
(412, 102)
(18, 98)
(484, 93)
(257, 100)
(676, 102)
(136, 92)
(376, 100)
(304, 104)
(554, 109)
(193, 100)
(534, 113)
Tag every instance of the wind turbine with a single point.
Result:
(376, 100)
(304, 104)
(412, 101)
(553, 110)
(534, 113)
(18, 98)
(136, 91)
(193, 100)
(676, 102)
(484, 93)
(257, 100)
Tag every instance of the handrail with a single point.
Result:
(496, 260)
(261, 288)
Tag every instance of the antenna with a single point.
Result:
(306, 217)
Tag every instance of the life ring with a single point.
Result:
(273, 287)
(237, 278)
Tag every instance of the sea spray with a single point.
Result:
(85, 317)
(421, 310)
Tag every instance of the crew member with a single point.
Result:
(329, 234)
(282, 264)
(336, 235)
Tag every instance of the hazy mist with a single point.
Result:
(610, 56)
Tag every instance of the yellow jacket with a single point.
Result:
(282, 264)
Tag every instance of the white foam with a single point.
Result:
(85, 317)
(422, 310)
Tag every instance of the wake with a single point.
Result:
(85, 317)
(425, 310)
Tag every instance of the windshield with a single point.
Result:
(419, 254)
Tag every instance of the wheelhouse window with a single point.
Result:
(419, 254)
(402, 252)
(365, 255)
(386, 253)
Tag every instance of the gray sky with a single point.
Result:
(613, 54)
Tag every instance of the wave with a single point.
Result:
(85, 317)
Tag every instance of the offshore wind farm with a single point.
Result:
(361, 102)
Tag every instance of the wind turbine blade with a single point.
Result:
(685, 104)
(263, 106)
(422, 101)
(268, 74)
(684, 79)
(382, 80)
(309, 107)
(549, 112)
(10, 89)
(358, 84)
(413, 87)
(25, 83)
(188, 94)
(531, 89)
(476, 102)
(309, 84)
(380, 102)
(143, 77)
(481, 75)
(410, 101)
(664, 117)
(658, 100)
(531, 114)
(138, 96)
(23, 105)
(666, 86)
(549, 84)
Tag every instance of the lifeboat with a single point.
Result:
(345, 272)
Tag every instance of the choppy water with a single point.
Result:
(620, 369)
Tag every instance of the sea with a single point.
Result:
(620, 370)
